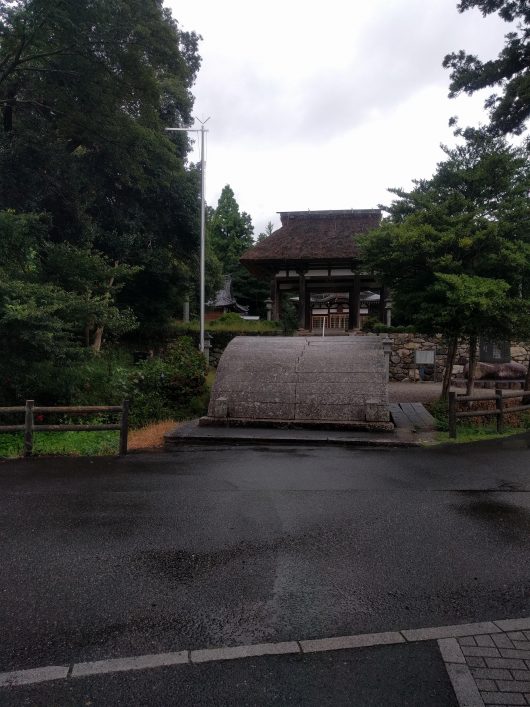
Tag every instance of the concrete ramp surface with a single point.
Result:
(303, 381)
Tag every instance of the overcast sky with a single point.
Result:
(324, 105)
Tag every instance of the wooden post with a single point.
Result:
(499, 404)
(452, 415)
(28, 431)
(124, 429)
(356, 301)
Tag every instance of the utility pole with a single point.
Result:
(200, 130)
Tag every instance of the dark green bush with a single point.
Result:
(439, 409)
(165, 387)
(370, 323)
(380, 328)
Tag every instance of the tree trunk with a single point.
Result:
(98, 338)
(451, 354)
(472, 365)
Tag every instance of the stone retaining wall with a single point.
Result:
(404, 345)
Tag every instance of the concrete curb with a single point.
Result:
(451, 653)
(194, 434)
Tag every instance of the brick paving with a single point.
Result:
(490, 669)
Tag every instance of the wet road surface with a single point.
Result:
(213, 547)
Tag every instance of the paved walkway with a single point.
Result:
(488, 663)
(407, 392)
(492, 668)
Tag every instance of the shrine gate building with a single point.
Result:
(313, 259)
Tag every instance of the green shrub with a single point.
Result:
(439, 409)
(165, 386)
(370, 323)
(380, 328)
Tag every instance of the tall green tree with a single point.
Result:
(86, 90)
(509, 109)
(230, 230)
(456, 249)
(230, 235)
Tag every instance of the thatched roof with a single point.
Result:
(316, 236)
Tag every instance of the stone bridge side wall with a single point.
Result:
(402, 357)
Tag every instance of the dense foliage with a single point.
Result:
(456, 249)
(162, 387)
(230, 235)
(99, 209)
(510, 71)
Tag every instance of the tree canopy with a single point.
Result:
(86, 90)
(230, 233)
(103, 200)
(456, 249)
(510, 71)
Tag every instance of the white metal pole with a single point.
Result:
(203, 243)
(203, 224)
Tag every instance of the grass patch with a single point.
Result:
(485, 427)
(466, 433)
(61, 443)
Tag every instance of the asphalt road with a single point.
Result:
(209, 547)
(410, 676)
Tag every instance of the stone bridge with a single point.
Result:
(298, 381)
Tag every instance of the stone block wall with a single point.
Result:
(404, 345)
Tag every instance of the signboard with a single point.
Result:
(494, 351)
(425, 358)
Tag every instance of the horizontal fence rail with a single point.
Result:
(499, 397)
(29, 427)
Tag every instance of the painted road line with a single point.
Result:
(34, 675)
(361, 641)
(139, 662)
(433, 634)
(233, 652)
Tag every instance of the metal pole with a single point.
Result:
(203, 220)
(203, 240)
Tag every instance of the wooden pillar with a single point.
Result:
(275, 297)
(355, 303)
(301, 299)
(351, 309)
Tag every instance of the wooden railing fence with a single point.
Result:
(501, 409)
(29, 427)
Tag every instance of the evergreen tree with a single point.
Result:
(86, 90)
(230, 235)
(510, 71)
(456, 249)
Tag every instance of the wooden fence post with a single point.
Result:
(124, 429)
(452, 415)
(499, 404)
(28, 429)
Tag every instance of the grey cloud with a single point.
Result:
(399, 55)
